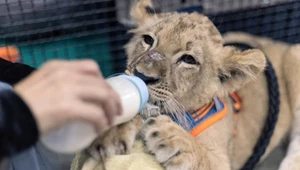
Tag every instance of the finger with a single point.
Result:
(116, 97)
(92, 88)
(110, 110)
(53, 67)
(90, 112)
(66, 77)
(103, 96)
(86, 66)
(114, 100)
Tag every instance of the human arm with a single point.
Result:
(12, 73)
(18, 128)
(63, 91)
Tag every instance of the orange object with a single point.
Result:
(205, 110)
(237, 104)
(207, 123)
(237, 101)
(202, 112)
(10, 53)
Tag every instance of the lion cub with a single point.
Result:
(185, 64)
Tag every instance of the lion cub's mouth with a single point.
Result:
(148, 80)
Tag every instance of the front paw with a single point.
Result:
(117, 141)
(172, 146)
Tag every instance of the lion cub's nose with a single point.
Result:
(146, 79)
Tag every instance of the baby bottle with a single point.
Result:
(76, 136)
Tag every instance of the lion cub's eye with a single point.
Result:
(187, 59)
(148, 39)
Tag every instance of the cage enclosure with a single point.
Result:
(34, 31)
(71, 29)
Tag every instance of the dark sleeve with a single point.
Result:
(18, 128)
(12, 73)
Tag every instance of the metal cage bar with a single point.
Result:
(70, 29)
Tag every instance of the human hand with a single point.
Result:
(63, 91)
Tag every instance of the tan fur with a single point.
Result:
(186, 86)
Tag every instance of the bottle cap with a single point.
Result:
(142, 88)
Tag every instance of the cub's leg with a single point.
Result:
(117, 141)
(176, 149)
(120, 139)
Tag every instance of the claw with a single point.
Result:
(123, 147)
(101, 151)
(102, 157)
(150, 111)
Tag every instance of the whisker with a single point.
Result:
(177, 111)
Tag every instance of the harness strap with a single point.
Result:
(208, 116)
(237, 105)
(274, 103)
(211, 113)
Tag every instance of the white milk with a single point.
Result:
(76, 136)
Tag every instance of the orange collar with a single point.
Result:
(211, 113)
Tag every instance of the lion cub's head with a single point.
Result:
(182, 59)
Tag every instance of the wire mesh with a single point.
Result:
(70, 29)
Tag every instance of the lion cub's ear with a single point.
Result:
(238, 68)
(141, 11)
